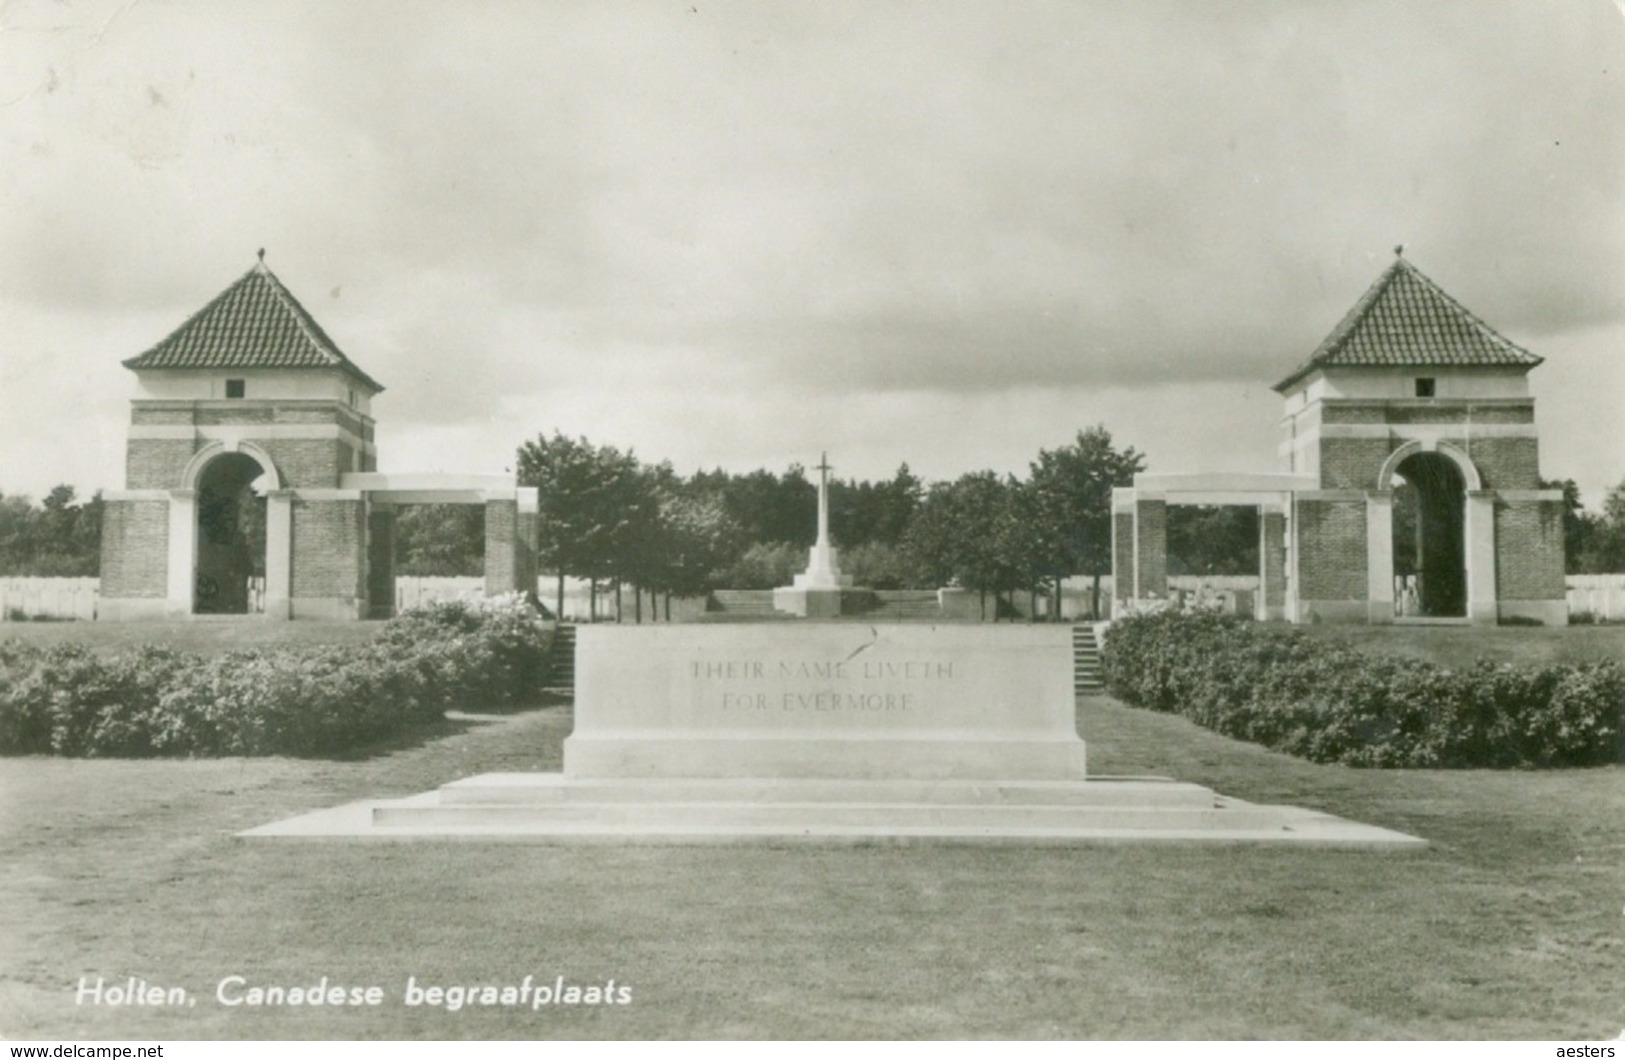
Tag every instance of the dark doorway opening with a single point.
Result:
(230, 577)
(1430, 556)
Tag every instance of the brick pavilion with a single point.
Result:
(251, 477)
(1410, 487)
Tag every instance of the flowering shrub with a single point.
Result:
(1329, 703)
(68, 700)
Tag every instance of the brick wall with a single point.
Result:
(525, 566)
(381, 562)
(1272, 549)
(501, 557)
(1331, 549)
(329, 540)
(135, 549)
(1353, 412)
(167, 415)
(1506, 463)
(215, 414)
(1460, 412)
(1352, 463)
(1404, 411)
(1529, 550)
(1152, 517)
(308, 463)
(312, 463)
(157, 463)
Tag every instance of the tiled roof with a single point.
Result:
(254, 323)
(1406, 320)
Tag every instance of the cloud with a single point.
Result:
(545, 209)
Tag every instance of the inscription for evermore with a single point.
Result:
(859, 686)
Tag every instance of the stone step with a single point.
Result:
(554, 788)
(1224, 821)
(1212, 819)
(796, 817)
(1087, 679)
(561, 661)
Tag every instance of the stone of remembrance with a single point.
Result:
(834, 731)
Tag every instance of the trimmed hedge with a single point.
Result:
(1329, 703)
(68, 700)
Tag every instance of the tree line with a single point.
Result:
(609, 517)
(60, 537)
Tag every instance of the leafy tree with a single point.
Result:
(1578, 524)
(440, 540)
(879, 512)
(1073, 502)
(595, 504)
(58, 539)
(878, 565)
(764, 565)
(772, 508)
(691, 538)
(971, 532)
(1603, 551)
(1212, 540)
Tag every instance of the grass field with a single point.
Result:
(1509, 926)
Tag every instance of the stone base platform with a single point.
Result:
(552, 808)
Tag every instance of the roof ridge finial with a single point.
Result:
(1399, 251)
(262, 256)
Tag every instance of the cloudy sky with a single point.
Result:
(947, 233)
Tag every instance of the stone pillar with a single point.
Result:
(530, 528)
(1122, 557)
(381, 561)
(1150, 548)
(501, 539)
(1482, 609)
(182, 563)
(329, 555)
(1379, 562)
(1529, 581)
(278, 554)
(1271, 603)
(1329, 557)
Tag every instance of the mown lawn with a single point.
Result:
(1509, 926)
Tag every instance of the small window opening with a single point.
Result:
(1424, 387)
(234, 388)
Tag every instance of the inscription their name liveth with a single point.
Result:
(760, 684)
(844, 670)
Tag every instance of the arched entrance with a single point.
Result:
(231, 550)
(1429, 534)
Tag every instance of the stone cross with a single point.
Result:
(823, 470)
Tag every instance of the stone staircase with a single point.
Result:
(901, 605)
(1086, 675)
(561, 662)
(750, 602)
